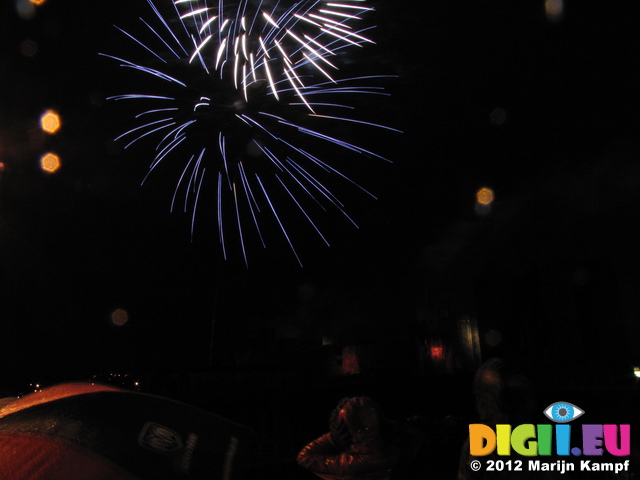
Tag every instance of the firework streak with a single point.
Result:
(242, 93)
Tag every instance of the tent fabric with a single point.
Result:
(102, 433)
(40, 457)
(53, 393)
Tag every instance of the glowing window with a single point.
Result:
(350, 363)
(437, 352)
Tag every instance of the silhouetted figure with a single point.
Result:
(503, 396)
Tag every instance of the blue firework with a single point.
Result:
(241, 93)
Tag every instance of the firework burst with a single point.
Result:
(247, 95)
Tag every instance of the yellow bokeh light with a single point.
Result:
(50, 162)
(485, 196)
(37, 2)
(50, 121)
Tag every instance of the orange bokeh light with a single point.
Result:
(485, 196)
(50, 121)
(119, 317)
(50, 162)
(37, 2)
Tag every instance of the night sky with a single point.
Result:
(496, 94)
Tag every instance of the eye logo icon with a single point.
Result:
(563, 412)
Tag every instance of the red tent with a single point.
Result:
(84, 431)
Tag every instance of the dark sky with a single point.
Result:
(487, 93)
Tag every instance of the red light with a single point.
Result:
(437, 352)
(350, 364)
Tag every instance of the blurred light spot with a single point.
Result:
(119, 317)
(2, 167)
(50, 162)
(29, 48)
(490, 378)
(554, 10)
(327, 340)
(437, 352)
(498, 116)
(484, 199)
(50, 121)
(253, 150)
(37, 2)
(636, 371)
(350, 362)
(493, 338)
(25, 9)
(484, 196)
